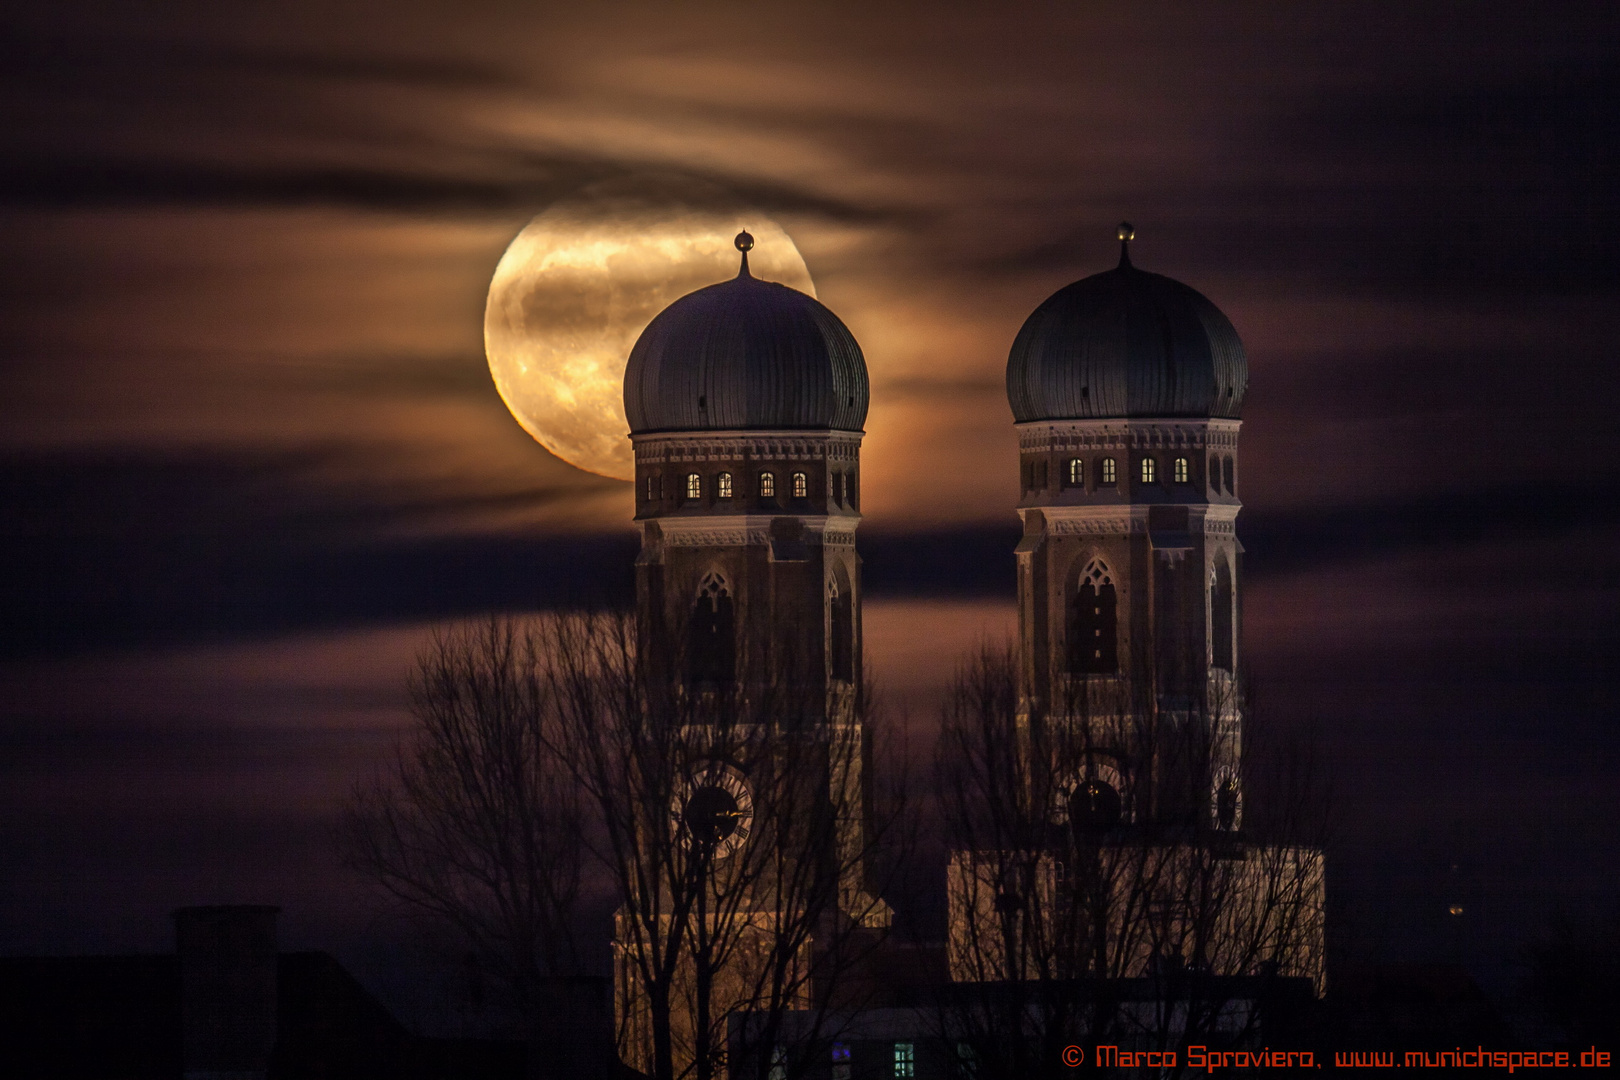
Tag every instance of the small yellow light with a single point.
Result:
(1455, 909)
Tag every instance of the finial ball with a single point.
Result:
(744, 241)
(1126, 232)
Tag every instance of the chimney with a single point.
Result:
(227, 990)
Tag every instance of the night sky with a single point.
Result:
(250, 452)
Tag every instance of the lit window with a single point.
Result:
(801, 485)
(1180, 472)
(778, 1063)
(905, 1059)
(767, 485)
(840, 1056)
(1149, 470)
(1108, 474)
(694, 486)
(722, 486)
(1077, 472)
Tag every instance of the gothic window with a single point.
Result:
(711, 636)
(1077, 472)
(722, 486)
(1149, 470)
(801, 485)
(1231, 477)
(854, 492)
(1108, 474)
(841, 630)
(1220, 615)
(1093, 625)
(694, 486)
(838, 487)
(767, 485)
(1180, 472)
(905, 1060)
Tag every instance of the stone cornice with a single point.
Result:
(692, 446)
(1039, 436)
(1211, 519)
(739, 530)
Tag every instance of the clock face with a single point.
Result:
(714, 809)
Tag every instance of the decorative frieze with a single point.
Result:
(687, 446)
(1057, 436)
(741, 530)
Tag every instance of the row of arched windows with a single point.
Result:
(1222, 473)
(725, 486)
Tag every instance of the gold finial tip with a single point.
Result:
(1126, 232)
(744, 241)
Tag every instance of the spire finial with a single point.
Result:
(745, 243)
(1126, 234)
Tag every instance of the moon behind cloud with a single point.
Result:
(580, 283)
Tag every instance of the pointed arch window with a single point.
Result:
(1077, 472)
(1093, 629)
(767, 485)
(711, 635)
(841, 630)
(1221, 629)
(694, 486)
(801, 485)
(1109, 475)
(722, 486)
(1181, 472)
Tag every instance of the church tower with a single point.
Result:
(1126, 387)
(746, 401)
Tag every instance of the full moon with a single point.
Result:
(580, 283)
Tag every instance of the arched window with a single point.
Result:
(801, 485)
(1109, 476)
(1077, 472)
(1220, 615)
(694, 486)
(1040, 475)
(854, 490)
(841, 629)
(1214, 474)
(652, 486)
(1093, 623)
(1150, 470)
(767, 485)
(838, 486)
(1180, 472)
(711, 635)
(722, 486)
(1231, 477)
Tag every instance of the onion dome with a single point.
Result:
(1126, 343)
(745, 354)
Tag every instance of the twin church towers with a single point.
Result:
(746, 403)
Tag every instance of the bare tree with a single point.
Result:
(479, 825)
(1104, 886)
(733, 821)
(735, 825)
